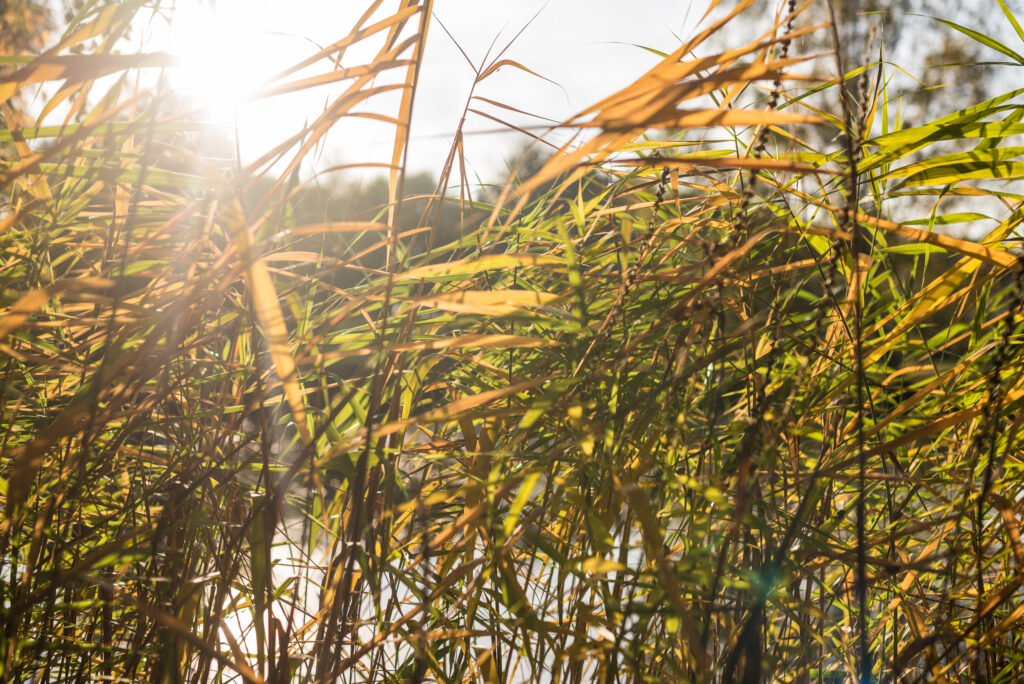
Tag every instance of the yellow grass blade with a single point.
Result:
(268, 313)
(486, 302)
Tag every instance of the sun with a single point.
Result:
(225, 55)
(260, 72)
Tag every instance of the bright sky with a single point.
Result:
(589, 48)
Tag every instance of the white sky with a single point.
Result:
(589, 48)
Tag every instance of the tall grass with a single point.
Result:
(698, 401)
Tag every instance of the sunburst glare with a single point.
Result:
(226, 54)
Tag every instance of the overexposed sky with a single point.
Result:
(587, 48)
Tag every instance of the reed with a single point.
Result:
(714, 395)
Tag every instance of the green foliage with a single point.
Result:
(735, 410)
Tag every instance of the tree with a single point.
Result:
(26, 25)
